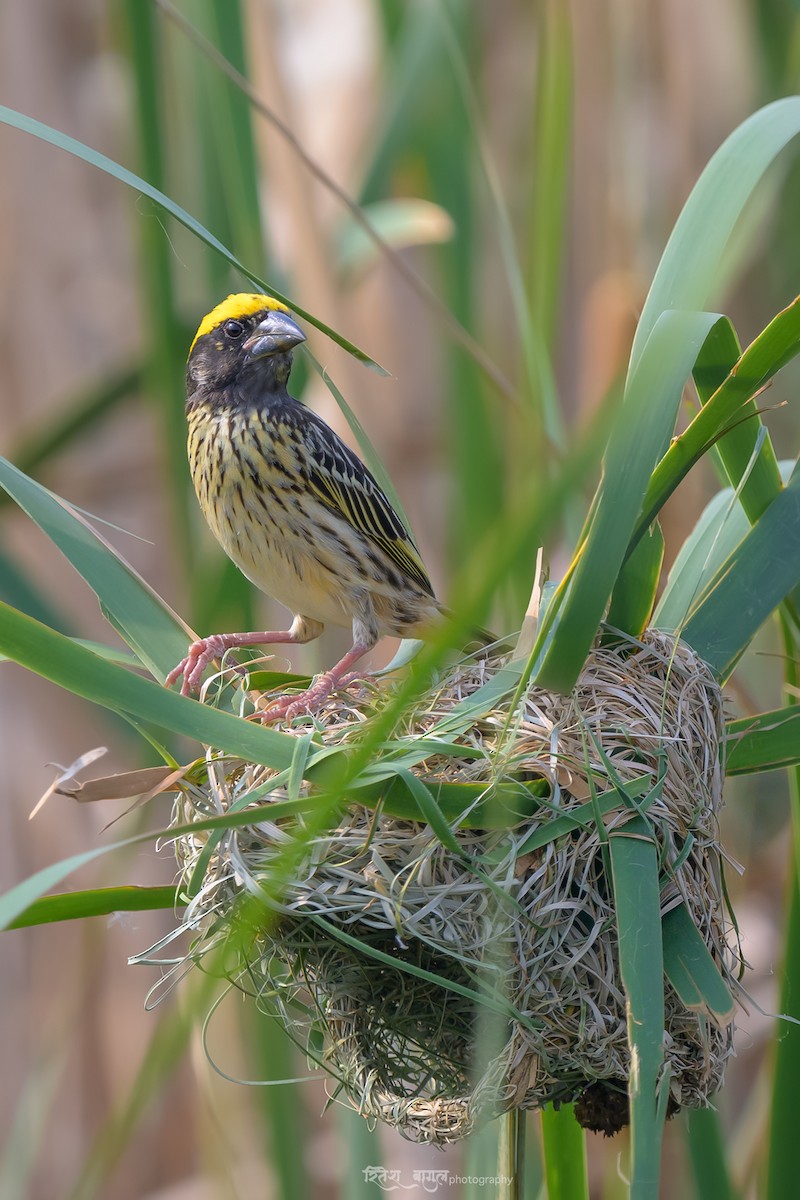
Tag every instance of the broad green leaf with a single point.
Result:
(730, 406)
(781, 1172)
(22, 898)
(77, 670)
(707, 1154)
(777, 345)
(96, 902)
(634, 870)
(690, 265)
(641, 433)
(691, 970)
(749, 585)
(781, 1182)
(720, 528)
(54, 137)
(635, 590)
(150, 628)
(564, 1147)
(769, 741)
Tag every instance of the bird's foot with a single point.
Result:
(310, 701)
(199, 656)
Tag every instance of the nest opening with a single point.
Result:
(384, 940)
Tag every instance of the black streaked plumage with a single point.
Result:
(297, 511)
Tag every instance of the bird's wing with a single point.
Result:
(346, 486)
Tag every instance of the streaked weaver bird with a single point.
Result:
(297, 511)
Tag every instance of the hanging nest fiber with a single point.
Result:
(382, 935)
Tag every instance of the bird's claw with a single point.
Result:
(309, 701)
(200, 654)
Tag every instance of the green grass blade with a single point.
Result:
(634, 868)
(767, 742)
(271, 1057)
(706, 1143)
(640, 435)
(731, 405)
(777, 345)
(230, 160)
(635, 590)
(564, 1146)
(363, 1151)
(781, 1166)
(17, 120)
(68, 664)
(720, 528)
(690, 264)
(149, 627)
(690, 968)
(25, 896)
(21, 899)
(77, 670)
(781, 1156)
(535, 352)
(550, 165)
(762, 570)
(165, 378)
(96, 902)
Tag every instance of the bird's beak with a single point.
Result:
(276, 334)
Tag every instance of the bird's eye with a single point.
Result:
(234, 329)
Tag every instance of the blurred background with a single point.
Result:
(539, 150)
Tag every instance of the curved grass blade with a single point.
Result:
(54, 137)
(641, 433)
(96, 902)
(749, 585)
(730, 403)
(719, 529)
(140, 616)
(77, 670)
(691, 970)
(635, 590)
(690, 264)
(769, 741)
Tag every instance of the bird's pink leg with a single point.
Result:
(205, 649)
(340, 676)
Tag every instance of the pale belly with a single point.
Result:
(281, 560)
(294, 548)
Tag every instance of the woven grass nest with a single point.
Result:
(535, 926)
